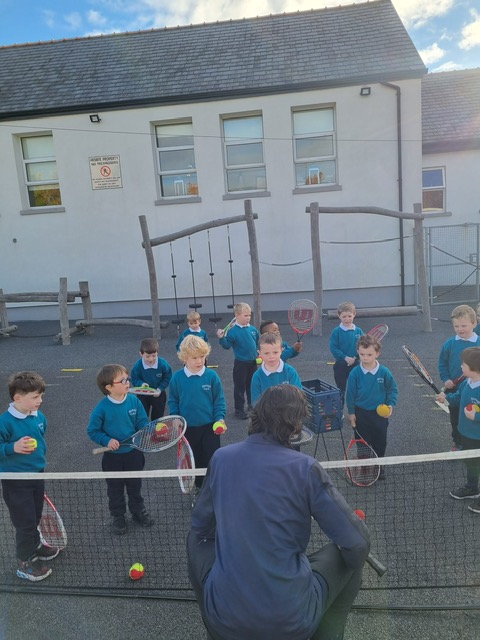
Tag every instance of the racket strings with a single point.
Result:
(303, 315)
(362, 476)
(151, 439)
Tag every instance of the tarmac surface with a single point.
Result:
(417, 426)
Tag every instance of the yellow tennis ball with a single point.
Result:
(259, 360)
(32, 443)
(136, 571)
(219, 427)
(383, 410)
(160, 427)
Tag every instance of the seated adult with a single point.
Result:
(250, 530)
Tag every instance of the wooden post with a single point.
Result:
(421, 269)
(62, 304)
(86, 305)
(152, 274)
(3, 313)
(252, 240)
(316, 263)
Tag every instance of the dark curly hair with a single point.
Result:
(279, 413)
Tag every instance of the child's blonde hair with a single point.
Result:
(346, 306)
(192, 347)
(270, 337)
(240, 307)
(464, 311)
(193, 316)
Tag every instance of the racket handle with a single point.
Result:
(101, 450)
(376, 565)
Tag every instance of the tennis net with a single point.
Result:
(424, 537)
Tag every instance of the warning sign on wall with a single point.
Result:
(105, 172)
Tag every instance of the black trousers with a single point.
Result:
(341, 371)
(373, 429)
(154, 406)
(454, 415)
(133, 460)
(204, 442)
(24, 499)
(243, 371)
(473, 464)
(343, 585)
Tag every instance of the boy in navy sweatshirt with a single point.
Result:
(273, 370)
(464, 321)
(467, 400)
(155, 372)
(115, 418)
(370, 385)
(196, 393)
(244, 340)
(23, 449)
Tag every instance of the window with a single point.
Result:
(314, 147)
(40, 170)
(243, 150)
(433, 181)
(176, 160)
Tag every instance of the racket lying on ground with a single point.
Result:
(144, 391)
(418, 367)
(155, 436)
(372, 561)
(303, 316)
(358, 449)
(51, 529)
(379, 332)
(185, 460)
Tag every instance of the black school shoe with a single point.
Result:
(143, 519)
(118, 526)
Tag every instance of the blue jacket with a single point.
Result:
(118, 420)
(344, 343)
(257, 501)
(244, 341)
(199, 399)
(450, 361)
(188, 332)
(464, 395)
(288, 352)
(157, 378)
(262, 381)
(15, 425)
(367, 390)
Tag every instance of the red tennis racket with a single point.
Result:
(303, 316)
(51, 529)
(155, 436)
(379, 332)
(422, 371)
(359, 449)
(185, 460)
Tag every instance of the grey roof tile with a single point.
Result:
(318, 48)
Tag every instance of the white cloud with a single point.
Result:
(432, 54)
(49, 17)
(73, 20)
(416, 13)
(96, 19)
(447, 66)
(471, 33)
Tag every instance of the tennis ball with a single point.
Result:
(472, 407)
(360, 514)
(32, 443)
(219, 427)
(160, 427)
(136, 571)
(259, 360)
(383, 410)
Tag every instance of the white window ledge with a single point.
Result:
(247, 195)
(163, 201)
(38, 210)
(299, 190)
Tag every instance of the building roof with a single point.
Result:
(273, 54)
(451, 111)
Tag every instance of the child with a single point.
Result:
(20, 426)
(152, 371)
(196, 393)
(369, 385)
(467, 395)
(273, 370)
(449, 362)
(194, 320)
(268, 326)
(244, 340)
(477, 313)
(343, 344)
(115, 418)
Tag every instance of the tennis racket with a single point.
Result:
(303, 316)
(144, 391)
(185, 460)
(51, 529)
(304, 437)
(418, 367)
(358, 449)
(151, 440)
(376, 565)
(229, 326)
(379, 332)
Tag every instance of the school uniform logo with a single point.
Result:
(132, 412)
(206, 387)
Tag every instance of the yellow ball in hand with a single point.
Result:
(383, 410)
(32, 443)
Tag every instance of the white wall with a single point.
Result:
(98, 237)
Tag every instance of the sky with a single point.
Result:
(445, 32)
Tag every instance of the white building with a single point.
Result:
(182, 125)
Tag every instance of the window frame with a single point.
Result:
(436, 188)
(28, 183)
(313, 181)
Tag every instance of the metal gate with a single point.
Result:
(451, 258)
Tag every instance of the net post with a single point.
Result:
(421, 268)
(316, 263)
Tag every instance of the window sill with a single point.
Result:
(164, 201)
(333, 187)
(38, 210)
(246, 195)
(437, 214)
